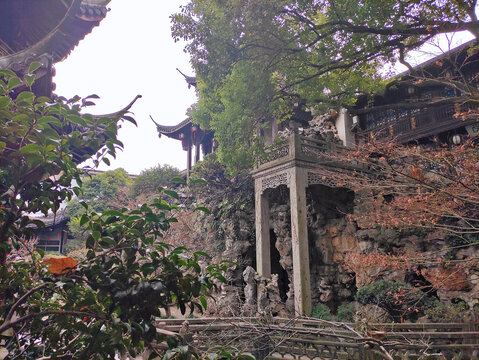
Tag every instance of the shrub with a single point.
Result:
(400, 300)
(150, 179)
(444, 312)
(321, 311)
(345, 313)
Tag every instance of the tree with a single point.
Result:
(104, 191)
(150, 179)
(40, 142)
(106, 304)
(428, 188)
(319, 53)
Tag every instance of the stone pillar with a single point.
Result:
(263, 257)
(299, 233)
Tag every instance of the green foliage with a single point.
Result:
(255, 59)
(108, 190)
(210, 169)
(150, 179)
(108, 303)
(321, 311)
(346, 313)
(440, 311)
(78, 235)
(40, 142)
(400, 300)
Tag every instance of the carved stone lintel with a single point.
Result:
(320, 179)
(274, 181)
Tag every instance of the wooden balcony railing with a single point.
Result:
(411, 124)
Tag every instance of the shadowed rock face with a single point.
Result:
(228, 233)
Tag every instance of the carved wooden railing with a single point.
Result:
(279, 338)
(407, 125)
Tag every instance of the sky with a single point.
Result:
(132, 52)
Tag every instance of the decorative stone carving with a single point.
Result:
(274, 181)
(318, 178)
(275, 154)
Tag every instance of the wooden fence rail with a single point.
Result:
(306, 338)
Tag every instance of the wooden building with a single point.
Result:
(191, 136)
(431, 102)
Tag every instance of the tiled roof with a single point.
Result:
(166, 130)
(32, 28)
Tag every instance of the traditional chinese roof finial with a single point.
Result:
(191, 80)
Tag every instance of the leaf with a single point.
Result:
(84, 219)
(96, 235)
(204, 209)
(202, 253)
(29, 80)
(197, 181)
(178, 180)
(34, 66)
(106, 161)
(13, 83)
(4, 102)
(92, 96)
(31, 149)
(61, 265)
(49, 120)
(76, 119)
(172, 193)
(130, 119)
(26, 97)
(203, 301)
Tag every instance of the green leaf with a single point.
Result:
(203, 301)
(96, 235)
(92, 96)
(178, 180)
(202, 253)
(172, 193)
(106, 161)
(13, 83)
(4, 102)
(31, 149)
(197, 181)
(130, 119)
(204, 209)
(76, 119)
(34, 66)
(7, 73)
(29, 80)
(108, 240)
(84, 219)
(26, 97)
(2, 145)
(49, 120)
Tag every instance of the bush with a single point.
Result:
(210, 169)
(150, 179)
(321, 311)
(444, 312)
(400, 300)
(346, 313)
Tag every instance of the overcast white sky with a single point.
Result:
(131, 53)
